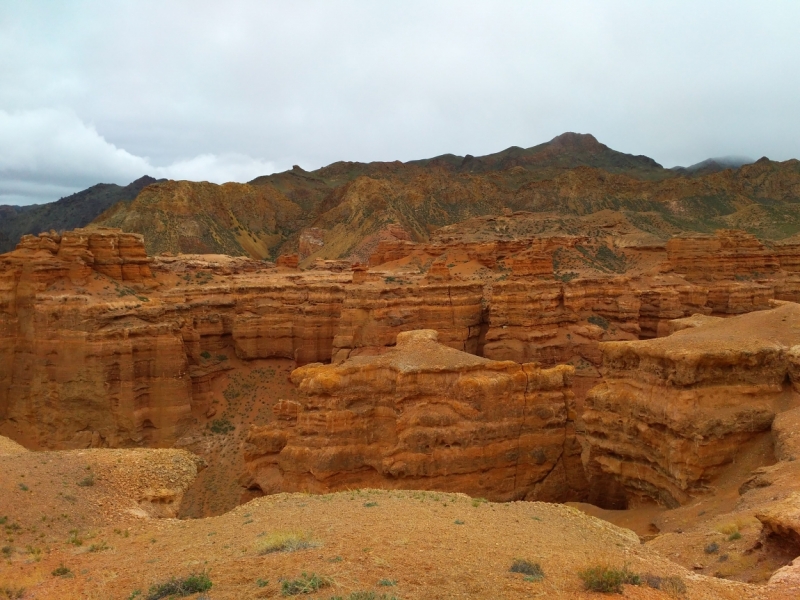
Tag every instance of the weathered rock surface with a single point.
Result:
(423, 416)
(373, 316)
(672, 412)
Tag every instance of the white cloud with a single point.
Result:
(49, 153)
(217, 169)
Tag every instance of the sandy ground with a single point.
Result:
(405, 544)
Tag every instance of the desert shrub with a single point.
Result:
(672, 584)
(607, 580)
(7, 550)
(305, 584)
(734, 536)
(87, 481)
(205, 354)
(75, 538)
(222, 426)
(193, 584)
(61, 571)
(387, 582)
(599, 321)
(262, 582)
(370, 504)
(712, 548)
(286, 542)
(12, 593)
(98, 547)
(531, 570)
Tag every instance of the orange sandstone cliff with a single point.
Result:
(423, 416)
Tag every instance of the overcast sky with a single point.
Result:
(106, 91)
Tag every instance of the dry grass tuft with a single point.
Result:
(286, 542)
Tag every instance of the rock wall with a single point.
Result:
(552, 322)
(727, 254)
(373, 316)
(671, 413)
(423, 416)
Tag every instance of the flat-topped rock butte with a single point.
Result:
(653, 384)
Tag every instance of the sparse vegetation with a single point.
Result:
(387, 582)
(99, 547)
(734, 536)
(532, 571)
(672, 584)
(222, 426)
(305, 584)
(75, 538)
(712, 548)
(23, 487)
(599, 321)
(608, 580)
(370, 504)
(61, 571)
(12, 593)
(193, 584)
(87, 481)
(286, 542)
(205, 354)
(262, 582)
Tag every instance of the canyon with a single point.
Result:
(574, 363)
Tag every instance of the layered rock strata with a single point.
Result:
(372, 316)
(672, 412)
(423, 416)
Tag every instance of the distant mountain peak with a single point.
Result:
(570, 139)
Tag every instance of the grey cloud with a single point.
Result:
(255, 84)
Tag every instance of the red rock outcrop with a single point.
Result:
(553, 322)
(287, 320)
(373, 315)
(672, 412)
(725, 255)
(422, 416)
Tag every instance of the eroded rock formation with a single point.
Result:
(423, 416)
(672, 412)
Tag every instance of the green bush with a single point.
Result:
(61, 571)
(607, 580)
(193, 584)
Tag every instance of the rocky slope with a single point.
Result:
(72, 212)
(345, 210)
